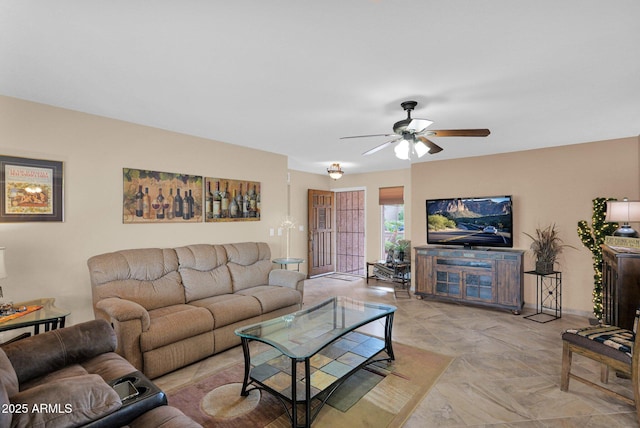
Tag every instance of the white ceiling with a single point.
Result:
(292, 76)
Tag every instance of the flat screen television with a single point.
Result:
(470, 222)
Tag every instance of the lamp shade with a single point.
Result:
(623, 211)
(402, 150)
(3, 269)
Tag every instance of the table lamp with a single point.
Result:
(624, 212)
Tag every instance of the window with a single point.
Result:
(392, 215)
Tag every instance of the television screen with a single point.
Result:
(483, 222)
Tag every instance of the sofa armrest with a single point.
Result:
(129, 320)
(288, 278)
(38, 355)
(121, 310)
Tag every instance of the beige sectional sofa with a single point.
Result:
(171, 307)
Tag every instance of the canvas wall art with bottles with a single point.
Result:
(161, 197)
(231, 200)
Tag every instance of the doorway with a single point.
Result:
(350, 235)
(321, 232)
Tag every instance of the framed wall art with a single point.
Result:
(231, 200)
(31, 190)
(161, 197)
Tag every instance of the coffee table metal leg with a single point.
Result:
(307, 381)
(388, 343)
(294, 395)
(247, 366)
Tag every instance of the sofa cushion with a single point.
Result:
(273, 297)
(249, 264)
(173, 324)
(147, 276)
(204, 271)
(229, 308)
(67, 402)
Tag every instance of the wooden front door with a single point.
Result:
(321, 232)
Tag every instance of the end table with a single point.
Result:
(49, 316)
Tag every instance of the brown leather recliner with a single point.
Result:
(65, 378)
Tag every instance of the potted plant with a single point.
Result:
(546, 247)
(402, 246)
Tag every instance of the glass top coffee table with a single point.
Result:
(319, 344)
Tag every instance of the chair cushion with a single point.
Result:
(39, 355)
(72, 401)
(609, 340)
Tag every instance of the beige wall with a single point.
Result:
(49, 259)
(554, 185)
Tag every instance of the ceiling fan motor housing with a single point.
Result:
(409, 105)
(400, 126)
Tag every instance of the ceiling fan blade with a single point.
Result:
(433, 147)
(460, 133)
(418, 125)
(372, 135)
(380, 147)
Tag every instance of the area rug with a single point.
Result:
(380, 395)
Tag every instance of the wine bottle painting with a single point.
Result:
(161, 197)
(231, 200)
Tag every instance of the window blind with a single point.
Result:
(391, 195)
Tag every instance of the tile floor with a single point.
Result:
(506, 371)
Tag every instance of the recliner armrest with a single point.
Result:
(124, 310)
(129, 320)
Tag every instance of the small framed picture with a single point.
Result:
(32, 190)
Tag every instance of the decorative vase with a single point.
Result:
(401, 256)
(544, 267)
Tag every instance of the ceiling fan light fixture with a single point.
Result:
(402, 150)
(334, 171)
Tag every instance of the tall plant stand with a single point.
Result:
(548, 296)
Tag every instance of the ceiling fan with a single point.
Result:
(411, 135)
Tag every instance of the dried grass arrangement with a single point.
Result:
(546, 247)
